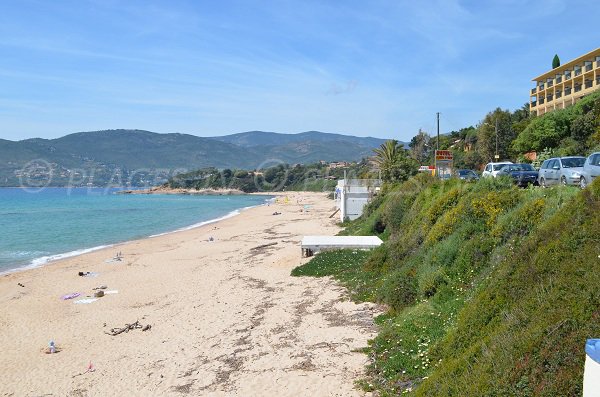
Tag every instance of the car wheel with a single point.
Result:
(582, 183)
(543, 182)
(563, 181)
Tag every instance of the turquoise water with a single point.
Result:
(36, 227)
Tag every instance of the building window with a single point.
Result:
(567, 74)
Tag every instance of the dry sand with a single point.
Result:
(227, 319)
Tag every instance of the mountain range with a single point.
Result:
(99, 157)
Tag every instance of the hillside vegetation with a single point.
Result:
(492, 290)
(141, 158)
(314, 177)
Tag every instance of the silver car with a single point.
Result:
(563, 170)
(590, 170)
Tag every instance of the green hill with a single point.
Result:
(263, 138)
(99, 157)
(492, 290)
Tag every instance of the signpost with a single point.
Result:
(443, 162)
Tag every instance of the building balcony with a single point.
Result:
(567, 90)
(533, 90)
(558, 94)
(598, 64)
(577, 72)
(550, 84)
(558, 79)
(598, 80)
(541, 101)
(589, 83)
(588, 67)
(533, 104)
(577, 88)
(541, 86)
(568, 76)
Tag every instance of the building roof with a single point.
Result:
(325, 242)
(567, 65)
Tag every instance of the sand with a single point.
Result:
(226, 319)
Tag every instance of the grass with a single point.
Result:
(491, 289)
(346, 267)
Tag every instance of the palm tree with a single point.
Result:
(386, 156)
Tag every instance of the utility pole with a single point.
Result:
(497, 157)
(437, 146)
(438, 131)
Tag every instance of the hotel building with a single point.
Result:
(567, 84)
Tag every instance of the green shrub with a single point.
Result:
(432, 282)
(399, 290)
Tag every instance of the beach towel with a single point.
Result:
(86, 300)
(70, 296)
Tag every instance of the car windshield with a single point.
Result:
(498, 166)
(519, 167)
(572, 162)
(466, 172)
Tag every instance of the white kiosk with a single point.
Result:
(591, 374)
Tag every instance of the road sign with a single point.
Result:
(443, 155)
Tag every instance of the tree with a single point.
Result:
(391, 159)
(420, 147)
(488, 136)
(386, 154)
(555, 61)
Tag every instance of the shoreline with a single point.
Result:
(182, 191)
(47, 260)
(227, 318)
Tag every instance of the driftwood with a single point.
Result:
(264, 246)
(127, 327)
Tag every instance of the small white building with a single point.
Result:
(351, 195)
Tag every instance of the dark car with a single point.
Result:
(467, 175)
(522, 174)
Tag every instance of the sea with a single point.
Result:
(40, 226)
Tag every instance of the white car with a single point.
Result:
(590, 170)
(491, 169)
(563, 170)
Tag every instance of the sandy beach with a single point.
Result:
(226, 317)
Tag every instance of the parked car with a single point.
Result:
(590, 169)
(522, 174)
(491, 169)
(467, 175)
(563, 170)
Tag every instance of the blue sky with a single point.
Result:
(367, 68)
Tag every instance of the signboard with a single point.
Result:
(443, 155)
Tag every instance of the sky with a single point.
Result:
(208, 68)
